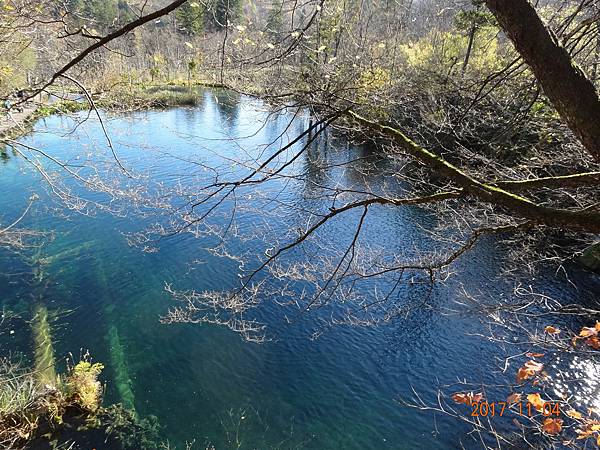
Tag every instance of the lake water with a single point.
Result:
(342, 390)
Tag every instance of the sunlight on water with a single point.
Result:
(580, 382)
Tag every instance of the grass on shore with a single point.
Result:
(143, 96)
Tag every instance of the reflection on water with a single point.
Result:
(202, 382)
(577, 379)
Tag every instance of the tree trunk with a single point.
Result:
(595, 73)
(570, 91)
(470, 46)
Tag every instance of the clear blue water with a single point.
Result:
(204, 383)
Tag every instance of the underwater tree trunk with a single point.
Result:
(573, 95)
(45, 371)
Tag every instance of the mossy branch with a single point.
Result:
(578, 220)
(562, 181)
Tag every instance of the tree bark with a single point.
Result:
(570, 91)
(597, 49)
(469, 46)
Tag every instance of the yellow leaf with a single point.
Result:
(574, 414)
(536, 401)
(587, 332)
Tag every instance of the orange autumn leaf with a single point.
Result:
(536, 401)
(593, 342)
(591, 427)
(529, 370)
(551, 330)
(513, 398)
(461, 398)
(552, 426)
(583, 434)
(597, 326)
(574, 414)
(588, 332)
(522, 375)
(534, 355)
(467, 398)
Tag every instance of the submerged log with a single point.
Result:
(118, 363)
(117, 356)
(45, 370)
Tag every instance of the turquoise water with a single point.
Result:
(341, 390)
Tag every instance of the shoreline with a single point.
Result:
(14, 124)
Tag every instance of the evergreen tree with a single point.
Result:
(274, 19)
(101, 14)
(190, 18)
(219, 12)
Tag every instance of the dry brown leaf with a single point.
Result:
(551, 330)
(593, 342)
(522, 375)
(534, 355)
(529, 370)
(514, 398)
(552, 426)
(468, 398)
